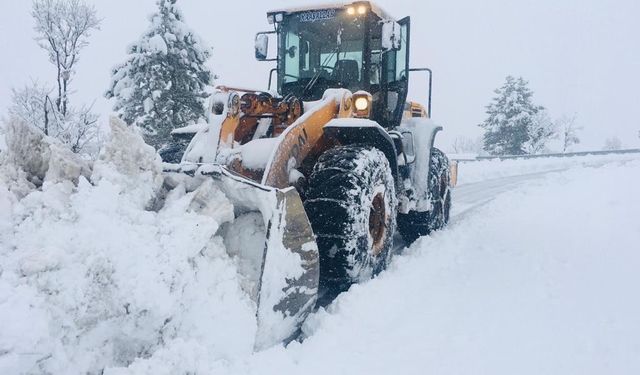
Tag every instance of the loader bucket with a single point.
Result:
(287, 285)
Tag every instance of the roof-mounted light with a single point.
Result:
(357, 8)
(275, 17)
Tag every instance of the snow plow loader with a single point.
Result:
(324, 170)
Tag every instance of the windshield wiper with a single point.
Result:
(316, 76)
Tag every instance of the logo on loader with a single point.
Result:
(302, 140)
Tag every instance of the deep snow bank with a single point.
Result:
(90, 278)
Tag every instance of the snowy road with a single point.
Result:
(474, 195)
(536, 274)
(489, 179)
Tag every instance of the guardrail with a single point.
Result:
(555, 155)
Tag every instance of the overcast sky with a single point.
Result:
(580, 56)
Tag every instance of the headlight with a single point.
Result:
(351, 11)
(361, 104)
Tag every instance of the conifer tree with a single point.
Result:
(162, 84)
(511, 115)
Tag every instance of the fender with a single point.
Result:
(298, 140)
(416, 194)
(363, 131)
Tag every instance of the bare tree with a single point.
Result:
(569, 132)
(33, 106)
(63, 28)
(29, 104)
(466, 145)
(540, 131)
(612, 144)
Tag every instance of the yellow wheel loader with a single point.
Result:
(328, 167)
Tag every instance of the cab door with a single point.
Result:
(395, 78)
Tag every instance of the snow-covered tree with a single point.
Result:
(162, 84)
(510, 115)
(29, 104)
(32, 105)
(540, 131)
(568, 132)
(63, 28)
(612, 144)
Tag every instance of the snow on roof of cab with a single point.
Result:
(374, 8)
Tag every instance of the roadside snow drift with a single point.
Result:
(90, 278)
(95, 278)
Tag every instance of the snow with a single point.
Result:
(352, 122)
(462, 156)
(157, 44)
(128, 161)
(201, 149)
(91, 279)
(499, 292)
(261, 44)
(475, 171)
(3, 145)
(539, 280)
(256, 153)
(44, 159)
(190, 129)
(309, 106)
(335, 94)
(147, 105)
(285, 295)
(244, 240)
(6, 213)
(391, 35)
(424, 132)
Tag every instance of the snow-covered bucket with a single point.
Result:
(272, 237)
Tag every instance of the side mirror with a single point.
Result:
(391, 36)
(262, 46)
(408, 147)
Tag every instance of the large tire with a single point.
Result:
(416, 224)
(352, 204)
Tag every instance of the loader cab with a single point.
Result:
(356, 46)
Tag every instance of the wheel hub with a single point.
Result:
(377, 228)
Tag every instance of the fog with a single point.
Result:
(580, 56)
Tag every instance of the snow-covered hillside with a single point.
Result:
(540, 279)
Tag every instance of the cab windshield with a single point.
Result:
(319, 50)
